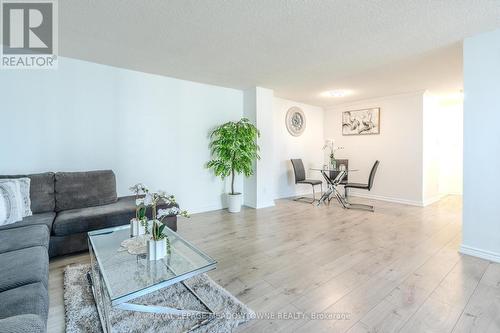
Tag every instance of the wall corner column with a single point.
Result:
(258, 108)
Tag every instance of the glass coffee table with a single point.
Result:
(119, 277)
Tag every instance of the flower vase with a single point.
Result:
(157, 249)
(333, 163)
(136, 228)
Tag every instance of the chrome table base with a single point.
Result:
(332, 192)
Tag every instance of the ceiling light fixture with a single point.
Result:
(337, 93)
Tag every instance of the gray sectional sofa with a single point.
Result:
(65, 206)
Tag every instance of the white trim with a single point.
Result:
(260, 205)
(432, 200)
(483, 254)
(249, 203)
(452, 193)
(367, 195)
(307, 191)
(352, 193)
(206, 208)
(299, 194)
(266, 205)
(384, 198)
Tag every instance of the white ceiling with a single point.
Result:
(299, 48)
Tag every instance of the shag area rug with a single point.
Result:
(82, 316)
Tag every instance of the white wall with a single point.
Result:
(308, 147)
(265, 179)
(443, 145)
(431, 149)
(258, 107)
(146, 128)
(398, 147)
(481, 220)
(154, 129)
(451, 147)
(250, 183)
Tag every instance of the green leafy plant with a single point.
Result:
(158, 230)
(234, 149)
(140, 215)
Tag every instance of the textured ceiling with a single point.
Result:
(298, 48)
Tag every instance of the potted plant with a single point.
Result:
(234, 149)
(158, 245)
(139, 224)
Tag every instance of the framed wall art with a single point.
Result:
(361, 122)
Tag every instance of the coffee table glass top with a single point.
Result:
(128, 275)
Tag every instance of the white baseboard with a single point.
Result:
(418, 203)
(483, 254)
(453, 193)
(306, 193)
(432, 200)
(206, 208)
(266, 204)
(300, 190)
(260, 205)
(365, 195)
(250, 204)
(385, 198)
(209, 208)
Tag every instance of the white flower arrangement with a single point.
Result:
(330, 145)
(173, 211)
(139, 189)
(146, 199)
(167, 212)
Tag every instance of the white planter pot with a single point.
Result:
(234, 202)
(136, 228)
(157, 249)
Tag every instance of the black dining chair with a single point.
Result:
(364, 186)
(300, 177)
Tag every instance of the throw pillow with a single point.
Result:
(3, 211)
(10, 195)
(24, 186)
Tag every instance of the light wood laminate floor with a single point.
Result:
(395, 270)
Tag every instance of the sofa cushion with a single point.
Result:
(75, 221)
(62, 245)
(24, 266)
(23, 324)
(21, 238)
(38, 219)
(28, 299)
(84, 189)
(92, 218)
(41, 191)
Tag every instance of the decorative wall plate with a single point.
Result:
(295, 121)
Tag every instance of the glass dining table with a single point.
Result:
(334, 178)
